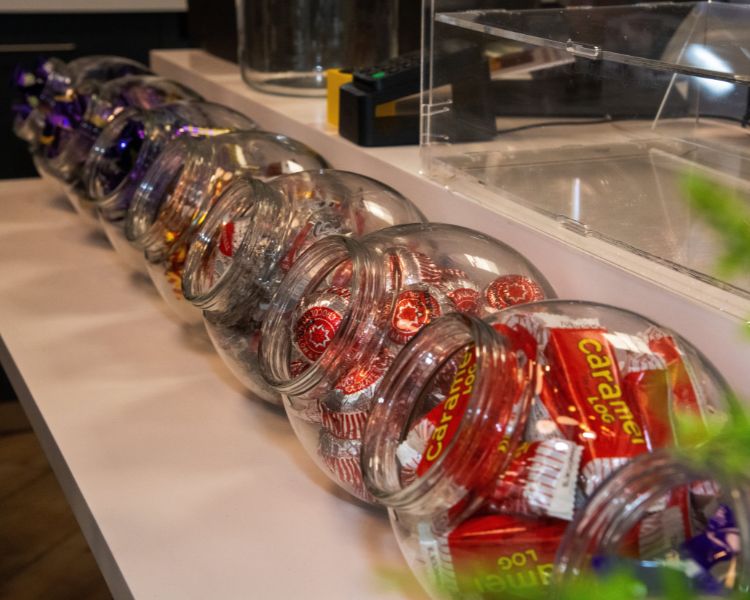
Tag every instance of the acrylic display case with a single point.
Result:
(595, 118)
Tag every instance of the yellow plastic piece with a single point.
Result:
(335, 78)
(386, 110)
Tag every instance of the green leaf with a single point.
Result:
(717, 446)
(729, 215)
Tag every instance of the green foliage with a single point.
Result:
(718, 447)
(620, 585)
(729, 215)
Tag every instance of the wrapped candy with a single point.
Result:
(491, 556)
(341, 456)
(416, 306)
(344, 412)
(509, 290)
(461, 291)
(317, 321)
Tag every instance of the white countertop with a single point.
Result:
(183, 486)
(578, 267)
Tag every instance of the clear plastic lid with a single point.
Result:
(592, 119)
(693, 38)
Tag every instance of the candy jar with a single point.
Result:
(138, 91)
(663, 519)
(488, 436)
(128, 146)
(185, 181)
(63, 79)
(254, 235)
(65, 97)
(66, 155)
(348, 307)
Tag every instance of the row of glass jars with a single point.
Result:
(426, 368)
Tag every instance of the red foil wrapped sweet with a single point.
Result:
(492, 555)
(414, 308)
(540, 480)
(226, 239)
(344, 412)
(319, 321)
(463, 293)
(509, 290)
(341, 457)
(415, 267)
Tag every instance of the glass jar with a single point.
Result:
(704, 509)
(286, 46)
(66, 96)
(488, 436)
(253, 237)
(63, 80)
(128, 146)
(183, 184)
(73, 139)
(348, 307)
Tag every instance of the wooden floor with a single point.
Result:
(43, 554)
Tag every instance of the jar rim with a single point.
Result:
(628, 495)
(399, 393)
(105, 139)
(311, 267)
(256, 202)
(142, 226)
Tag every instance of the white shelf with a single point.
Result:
(184, 487)
(91, 6)
(577, 267)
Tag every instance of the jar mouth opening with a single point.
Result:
(223, 245)
(408, 462)
(162, 184)
(115, 155)
(287, 363)
(646, 488)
